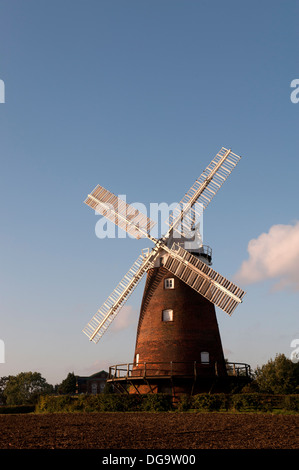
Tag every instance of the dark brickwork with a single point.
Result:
(194, 328)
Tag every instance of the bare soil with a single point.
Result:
(149, 431)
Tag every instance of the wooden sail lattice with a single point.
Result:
(119, 212)
(202, 191)
(108, 311)
(207, 282)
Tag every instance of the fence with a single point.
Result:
(170, 369)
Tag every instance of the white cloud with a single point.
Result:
(126, 317)
(273, 255)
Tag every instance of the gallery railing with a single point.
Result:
(170, 369)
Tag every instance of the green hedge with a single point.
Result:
(244, 402)
(17, 409)
(291, 402)
(215, 402)
(160, 402)
(104, 402)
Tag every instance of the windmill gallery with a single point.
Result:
(178, 345)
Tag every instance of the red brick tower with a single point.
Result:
(178, 344)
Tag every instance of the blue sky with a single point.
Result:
(139, 96)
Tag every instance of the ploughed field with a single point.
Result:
(145, 430)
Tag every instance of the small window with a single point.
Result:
(167, 315)
(169, 283)
(137, 359)
(205, 357)
(102, 386)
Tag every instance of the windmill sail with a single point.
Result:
(119, 212)
(203, 279)
(180, 262)
(108, 311)
(202, 191)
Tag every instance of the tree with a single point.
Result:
(68, 385)
(3, 382)
(280, 375)
(25, 388)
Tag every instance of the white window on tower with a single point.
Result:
(137, 359)
(167, 315)
(169, 283)
(205, 357)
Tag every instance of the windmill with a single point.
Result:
(178, 335)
